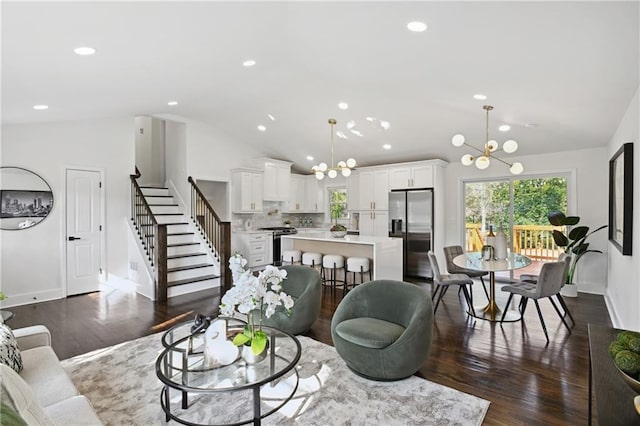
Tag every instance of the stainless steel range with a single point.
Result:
(278, 231)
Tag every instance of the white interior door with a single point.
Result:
(83, 231)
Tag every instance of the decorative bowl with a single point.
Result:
(633, 383)
(338, 234)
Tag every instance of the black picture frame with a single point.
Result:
(17, 203)
(621, 199)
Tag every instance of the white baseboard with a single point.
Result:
(36, 297)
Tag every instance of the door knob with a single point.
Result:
(74, 238)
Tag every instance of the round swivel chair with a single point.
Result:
(383, 329)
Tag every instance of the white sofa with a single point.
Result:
(43, 393)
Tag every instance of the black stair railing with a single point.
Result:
(216, 232)
(152, 234)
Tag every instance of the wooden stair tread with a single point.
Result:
(183, 244)
(159, 204)
(188, 267)
(167, 214)
(172, 223)
(160, 196)
(153, 187)
(179, 256)
(192, 280)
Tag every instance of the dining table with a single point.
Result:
(474, 260)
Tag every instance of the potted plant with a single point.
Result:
(574, 243)
(337, 229)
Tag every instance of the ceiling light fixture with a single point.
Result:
(262, 128)
(343, 105)
(504, 128)
(271, 117)
(483, 161)
(417, 27)
(84, 51)
(479, 97)
(343, 167)
(386, 146)
(310, 158)
(40, 107)
(172, 103)
(249, 63)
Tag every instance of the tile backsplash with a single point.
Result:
(272, 215)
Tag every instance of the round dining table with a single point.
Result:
(474, 260)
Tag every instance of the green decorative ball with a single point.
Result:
(615, 347)
(634, 345)
(629, 362)
(625, 336)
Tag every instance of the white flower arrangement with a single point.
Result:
(263, 293)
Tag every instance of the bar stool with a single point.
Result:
(358, 264)
(333, 262)
(313, 259)
(291, 257)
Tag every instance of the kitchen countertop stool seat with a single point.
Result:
(358, 264)
(313, 259)
(291, 257)
(333, 263)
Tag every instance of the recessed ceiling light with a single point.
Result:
(172, 103)
(480, 96)
(417, 27)
(262, 128)
(343, 105)
(249, 63)
(504, 128)
(271, 117)
(84, 51)
(41, 107)
(310, 158)
(386, 146)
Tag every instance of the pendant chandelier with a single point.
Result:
(490, 146)
(344, 167)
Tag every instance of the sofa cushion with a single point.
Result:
(369, 332)
(9, 351)
(22, 397)
(44, 373)
(76, 411)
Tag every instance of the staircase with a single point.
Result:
(191, 265)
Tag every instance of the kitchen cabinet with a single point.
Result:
(374, 223)
(374, 190)
(411, 177)
(246, 188)
(297, 198)
(313, 195)
(255, 246)
(353, 192)
(276, 180)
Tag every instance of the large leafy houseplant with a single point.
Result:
(575, 242)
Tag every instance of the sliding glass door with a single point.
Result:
(518, 207)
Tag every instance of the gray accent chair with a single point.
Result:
(382, 329)
(304, 285)
(444, 281)
(450, 253)
(551, 279)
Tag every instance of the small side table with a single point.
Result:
(6, 315)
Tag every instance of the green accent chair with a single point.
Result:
(304, 285)
(383, 329)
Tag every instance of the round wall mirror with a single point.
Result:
(26, 198)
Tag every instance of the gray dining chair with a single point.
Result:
(444, 281)
(550, 281)
(450, 253)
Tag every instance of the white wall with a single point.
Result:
(32, 259)
(590, 168)
(623, 289)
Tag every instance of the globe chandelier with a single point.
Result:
(344, 167)
(490, 146)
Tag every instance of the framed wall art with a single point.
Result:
(621, 199)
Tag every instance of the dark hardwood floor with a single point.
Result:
(527, 380)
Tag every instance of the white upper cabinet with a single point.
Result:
(374, 190)
(276, 180)
(297, 199)
(353, 191)
(411, 177)
(313, 195)
(246, 188)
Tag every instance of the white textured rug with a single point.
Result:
(121, 383)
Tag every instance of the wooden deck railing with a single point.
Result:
(214, 230)
(152, 234)
(534, 241)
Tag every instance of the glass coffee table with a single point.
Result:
(234, 394)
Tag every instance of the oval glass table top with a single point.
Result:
(26, 199)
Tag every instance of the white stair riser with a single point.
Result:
(192, 248)
(177, 239)
(190, 288)
(171, 219)
(172, 229)
(159, 200)
(186, 261)
(191, 273)
(155, 191)
(165, 209)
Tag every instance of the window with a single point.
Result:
(338, 203)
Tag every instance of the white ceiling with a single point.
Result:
(572, 68)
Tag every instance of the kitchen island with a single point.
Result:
(385, 253)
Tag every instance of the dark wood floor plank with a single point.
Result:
(527, 380)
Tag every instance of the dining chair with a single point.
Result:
(444, 281)
(550, 281)
(450, 253)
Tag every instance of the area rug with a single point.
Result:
(121, 383)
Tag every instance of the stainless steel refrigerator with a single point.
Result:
(411, 218)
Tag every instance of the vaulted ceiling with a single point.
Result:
(560, 74)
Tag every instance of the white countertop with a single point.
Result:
(351, 239)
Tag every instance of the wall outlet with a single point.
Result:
(133, 265)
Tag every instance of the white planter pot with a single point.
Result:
(569, 290)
